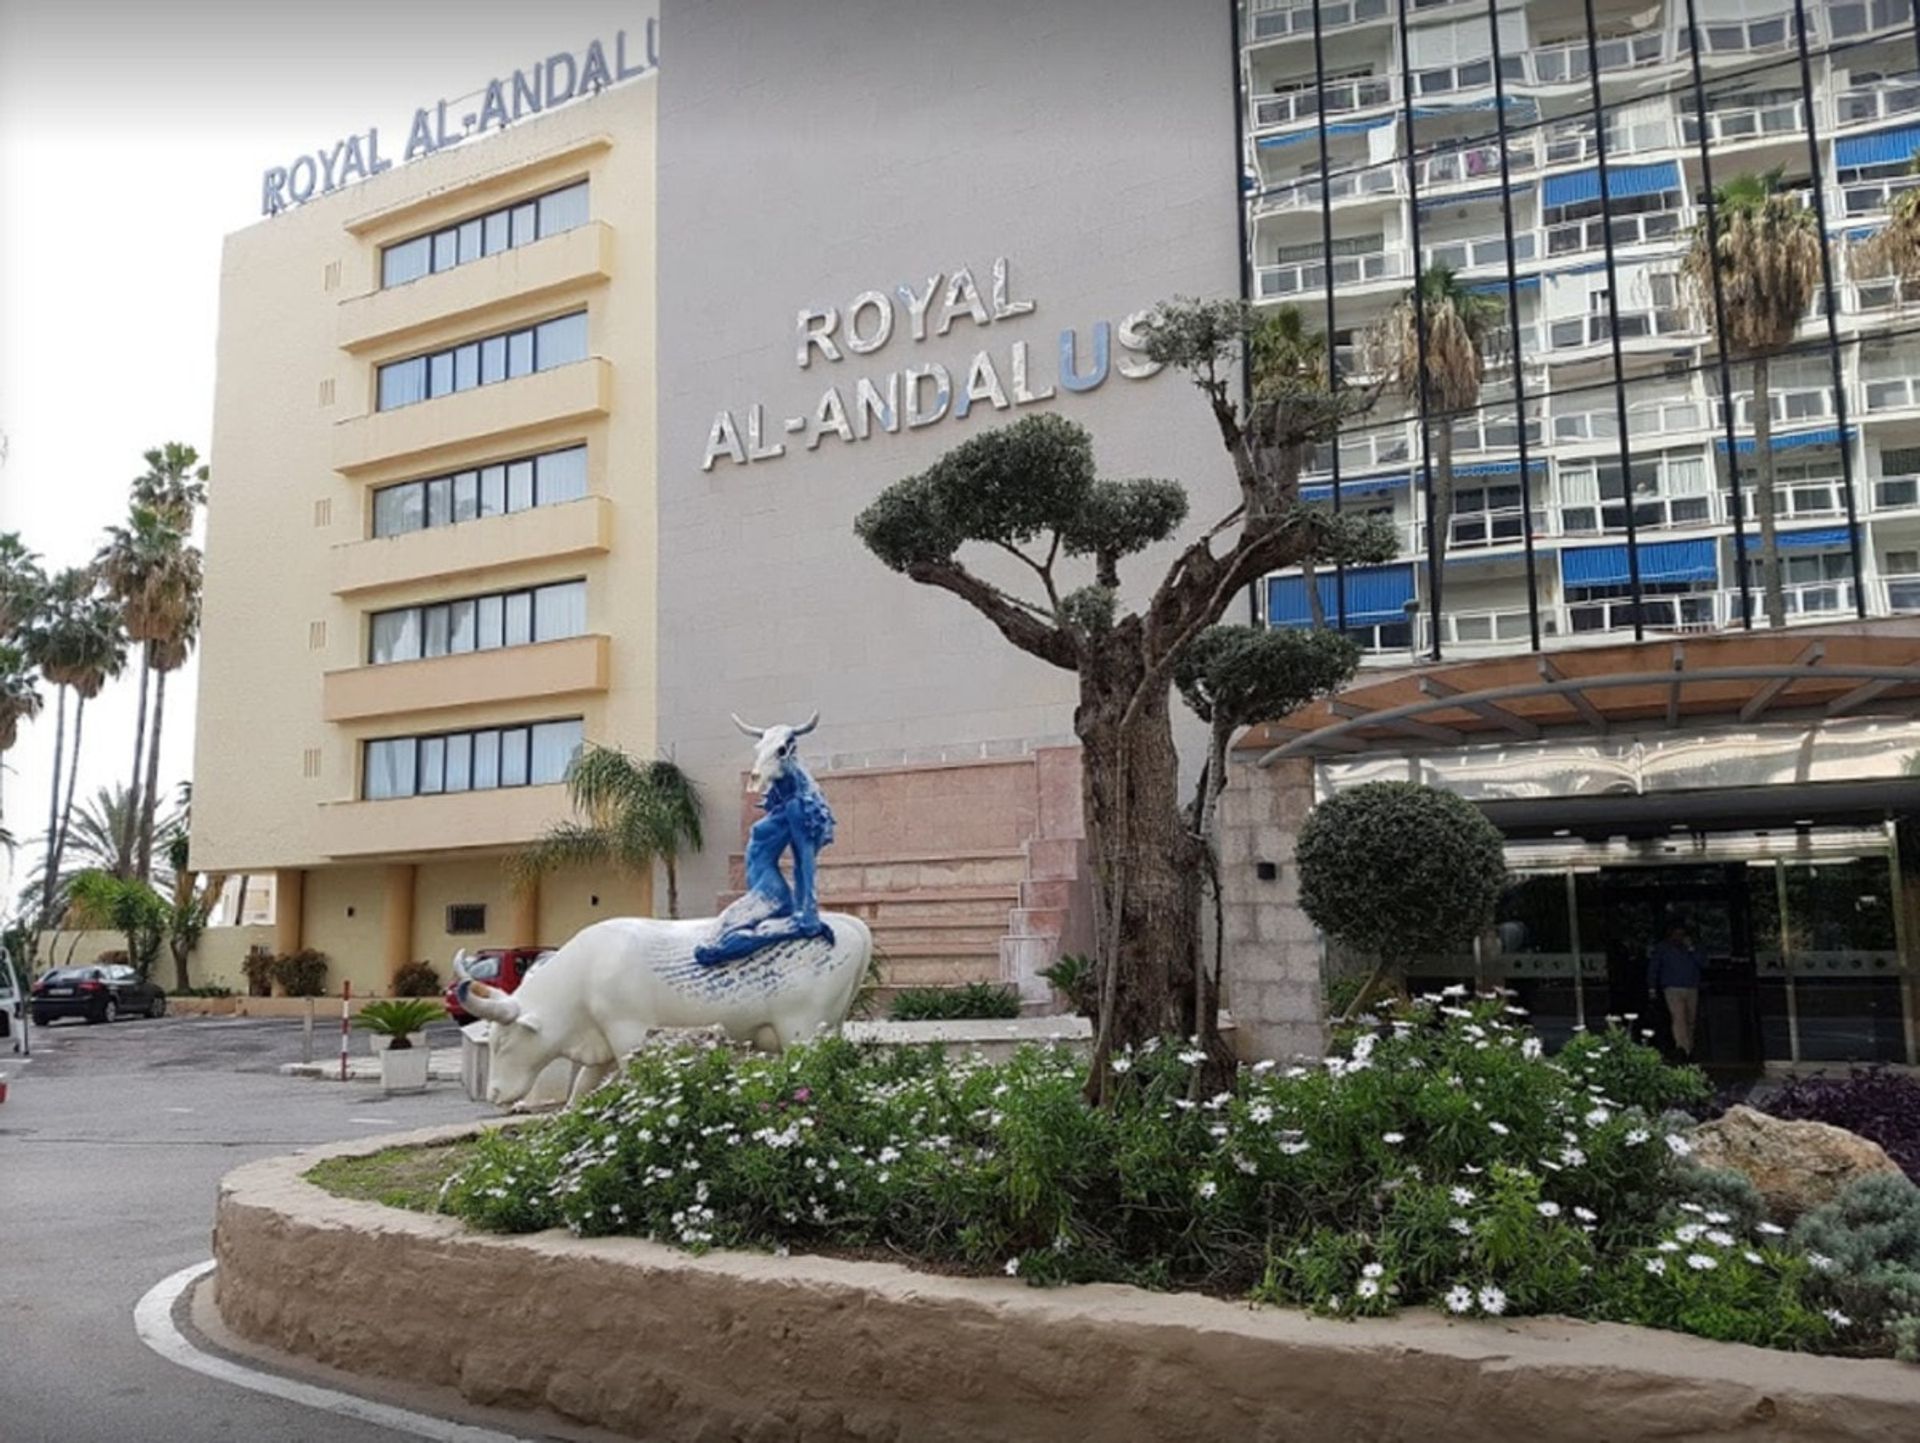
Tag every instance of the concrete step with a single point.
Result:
(1037, 922)
(957, 936)
(1053, 894)
(1054, 859)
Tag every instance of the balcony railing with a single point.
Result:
(1900, 592)
(1790, 403)
(1654, 418)
(1872, 197)
(1880, 100)
(1469, 75)
(1479, 162)
(1579, 331)
(1732, 124)
(1889, 390)
(1847, 19)
(1569, 145)
(1275, 18)
(1608, 517)
(1646, 228)
(1507, 626)
(1805, 601)
(1562, 64)
(1292, 278)
(1748, 37)
(1692, 611)
(1497, 430)
(1361, 93)
(1896, 493)
(1483, 251)
(1377, 180)
(1793, 500)
(1366, 451)
(1882, 293)
(1472, 530)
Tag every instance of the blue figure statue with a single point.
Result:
(797, 818)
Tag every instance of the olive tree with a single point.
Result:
(1393, 869)
(1030, 491)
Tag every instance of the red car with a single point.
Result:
(502, 967)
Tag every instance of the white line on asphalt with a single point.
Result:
(179, 1109)
(374, 1121)
(153, 1320)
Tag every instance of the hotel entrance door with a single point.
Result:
(1626, 910)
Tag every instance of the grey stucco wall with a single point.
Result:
(812, 152)
(1272, 976)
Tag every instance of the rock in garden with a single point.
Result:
(1795, 1166)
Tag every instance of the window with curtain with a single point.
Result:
(465, 761)
(547, 479)
(479, 623)
(469, 240)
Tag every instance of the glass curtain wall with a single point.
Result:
(1489, 210)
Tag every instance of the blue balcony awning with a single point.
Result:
(1522, 104)
(1824, 538)
(1499, 288)
(1374, 594)
(1494, 468)
(1888, 147)
(1312, 132)
(1659, 561)
(1352, 486)
(1793, 440)
(1622, 181)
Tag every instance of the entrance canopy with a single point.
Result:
(1665, 685)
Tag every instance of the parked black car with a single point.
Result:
(101, 993)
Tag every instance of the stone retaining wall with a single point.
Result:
(653, 1342)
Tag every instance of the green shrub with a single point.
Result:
(257, 967)
(943, 1004)
(1443, 1160)
(417, 979)
(302, 973)
(1394, 869)
(212, 989)
(1076, 978)
(1864, 1248)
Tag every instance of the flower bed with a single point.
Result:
(1442, 1159)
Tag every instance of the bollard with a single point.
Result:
(306, 1035)
(346, 999)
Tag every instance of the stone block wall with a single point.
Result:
(1272, 971)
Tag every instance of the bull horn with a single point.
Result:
(811, 722)
(755, 732)
(489, 1003)
(459, 962)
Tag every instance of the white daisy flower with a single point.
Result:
(1838, 1318)
(1459, 1299)
(1500, 1127)
(1462, 1196)
(1679, 1145)
(1772, 1230)
(1547, 1209)
(1393, 1137)
(1701, 1263)
(1657, 1266)
(1013, 1267)
(1122, 1064)
(1372, 1270)
(1366, 1288)
(1492, 1300)
(1209, 1188)
(1461, 1226)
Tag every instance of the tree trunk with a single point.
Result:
(673, 889)
(1770, 584)
(144, 869)
(1315, 610)
(129, 827)
(1442, 519)
(1148, 864)
(73, 778)
(51, 866)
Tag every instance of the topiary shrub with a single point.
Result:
(302, 973)
(257, 967)
(947, 1004)
(416, 979)
(1393, 869)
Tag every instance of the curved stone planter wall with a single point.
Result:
(653, 1342)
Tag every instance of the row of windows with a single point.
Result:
(485, 235)
(479, 623)
(544, 480)
(471, 761)
(557, 342)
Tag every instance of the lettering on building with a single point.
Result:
(500, 102)
(997, 377)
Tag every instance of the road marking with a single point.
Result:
(153, 1320)
(179, 1109)
(374, 1121)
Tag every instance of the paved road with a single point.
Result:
(112, 1145)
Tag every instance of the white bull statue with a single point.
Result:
(596, 999)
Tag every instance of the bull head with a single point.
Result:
(491, 1004)
(774, 745)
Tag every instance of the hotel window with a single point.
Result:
(1668, 490)
(484, 235)
(544, 480)
(470, 761)
(558, 342)
(478, 623)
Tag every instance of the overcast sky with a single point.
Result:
(132, 139)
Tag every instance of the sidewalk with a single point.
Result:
(443, 1065)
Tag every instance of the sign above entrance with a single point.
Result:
(919, 395)
(541, 86)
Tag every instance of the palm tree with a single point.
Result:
(21, 581)
(1766, 246)
(1283, 353)
(20, 699)
(151, 569)
(1458, 330)
(634, 814)
(174, 484)
(1894, 249)
(76, 639)
(97, 841)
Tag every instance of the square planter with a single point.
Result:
(379, 1042)
(404, 1071)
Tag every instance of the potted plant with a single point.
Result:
(400, 1021)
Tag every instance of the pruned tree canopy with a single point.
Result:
(1239, 675)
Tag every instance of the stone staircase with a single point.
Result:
(994, 911)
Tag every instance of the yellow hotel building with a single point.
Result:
(431, 549)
